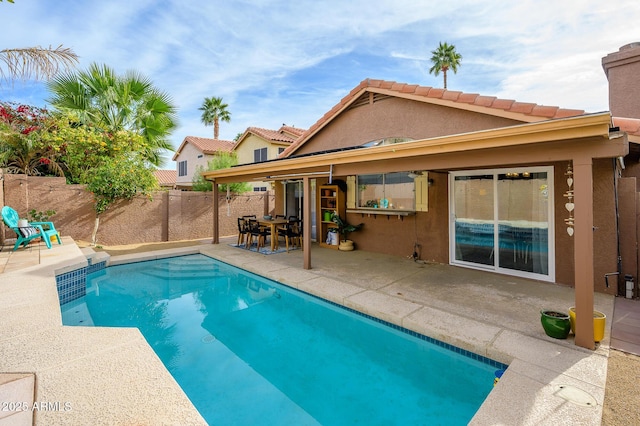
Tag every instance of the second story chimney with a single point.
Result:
(622, 69)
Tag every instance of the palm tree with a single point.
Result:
(444, 58)
(110, 102)
(214, 111)
(35, 62)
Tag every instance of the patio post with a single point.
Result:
(216, 230)
(306, 224)
(583, 250)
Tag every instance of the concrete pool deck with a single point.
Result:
(100, 371)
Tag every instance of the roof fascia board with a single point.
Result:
(585, 126)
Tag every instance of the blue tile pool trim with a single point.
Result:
(488, 361)
(444, 345)
(73, 285)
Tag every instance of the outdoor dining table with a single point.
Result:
(272, 223)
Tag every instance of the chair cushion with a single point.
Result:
(28, 231)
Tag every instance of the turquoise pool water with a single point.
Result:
(249, 351)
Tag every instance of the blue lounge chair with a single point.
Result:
(31, 232)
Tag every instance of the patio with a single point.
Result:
(496, 316)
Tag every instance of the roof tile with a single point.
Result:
(467, 98)
(488, 102)
(522, 107)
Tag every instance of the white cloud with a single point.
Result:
(276, 61)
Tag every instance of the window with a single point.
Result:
(200, 155)
(386, 191)
(280, 151)
(260, 188)
(182, 168)
(259, 155)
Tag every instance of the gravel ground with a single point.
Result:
(622, 396)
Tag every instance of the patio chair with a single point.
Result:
(243, 230)
(260, 232)
(34, 230)
(291, 231)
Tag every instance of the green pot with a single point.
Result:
(556, 324)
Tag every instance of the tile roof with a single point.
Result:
(206, 145)
(166, 177)
(285, 134)
(527, 112)
(629, 125)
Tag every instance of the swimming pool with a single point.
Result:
(247, 350)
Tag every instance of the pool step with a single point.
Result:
(184, 269)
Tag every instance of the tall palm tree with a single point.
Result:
(214, 111)
(444, 58)
(35, 62)
(110, 102)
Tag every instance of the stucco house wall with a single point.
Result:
(194, 157)
(396, 117)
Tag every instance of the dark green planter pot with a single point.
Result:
(556, 324)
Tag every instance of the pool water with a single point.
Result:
(249, 351)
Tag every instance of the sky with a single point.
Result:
(278, 62)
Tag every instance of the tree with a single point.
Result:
(118, 179)
(214, 111)
(35, 62)
(222, 160)
(104, 100)
(444, 58)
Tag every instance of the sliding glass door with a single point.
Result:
(502, 220)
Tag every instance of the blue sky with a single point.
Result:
(283, 61)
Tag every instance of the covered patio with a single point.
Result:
(579, 140)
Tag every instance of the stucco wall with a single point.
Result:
(190, 154)
(169, 216)
(395, 117)
(430, 230)
(622, 69)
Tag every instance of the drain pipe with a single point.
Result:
(615, 195)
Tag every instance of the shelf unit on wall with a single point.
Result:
(330, 199)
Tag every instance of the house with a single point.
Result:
(193, 152)
(474, 181)
(258, 145)
(166, 178)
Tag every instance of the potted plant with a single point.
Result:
(344, 229)
(556, 324)
(599, 321)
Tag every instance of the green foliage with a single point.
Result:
(444, 58)
(38, 216)
(118, 179)
(222, 160)
(214, 110)
(343, 227)
(81, 148)
(100, 99)
(21, 148)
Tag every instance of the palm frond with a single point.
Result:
(35, 62)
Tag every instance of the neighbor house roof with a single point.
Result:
(525, 112)
(206, 145)
(166, 177)
(284, 135)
